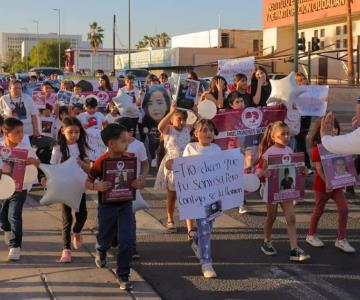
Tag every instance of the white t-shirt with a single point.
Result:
(197, 149)
(110, 119)
(94, 120)
(22, 108)
(23, 145)
(134, 111)
(73, 152)
(138, 149)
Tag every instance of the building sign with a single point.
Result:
(279, 13)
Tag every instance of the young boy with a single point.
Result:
(91, 118)
(11, 210)
(138, 149)
(241, 84)
(115, 217)
(236, 100)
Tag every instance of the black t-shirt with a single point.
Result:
(247, 99)
(286, 184)
(265, 93)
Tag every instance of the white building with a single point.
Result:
(15, 40)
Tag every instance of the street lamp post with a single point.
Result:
(129, 49)
(37, 42)
(25, 49)
(296, 28)
(58, 10)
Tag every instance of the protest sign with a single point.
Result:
(243, 127)
(97, 146)
(313, 102)
(286, 182)
(47, 126)
(13, 164)
(228, 68)
(207, 185)
(339, 170)
(41, 99)
(103, 96)
(64, 97)
(187, 93)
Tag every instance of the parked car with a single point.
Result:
(46, 71)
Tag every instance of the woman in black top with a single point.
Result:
(260, 87)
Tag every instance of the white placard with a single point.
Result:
(313, 102)
(228, 68)
(207, 185)
(97, 147)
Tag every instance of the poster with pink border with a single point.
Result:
(41, 99)
(103, 96)
(339, 170)
(286, 182)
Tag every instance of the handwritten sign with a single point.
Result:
(228, 68)
(313, 102)
(207, 185)
(286, 182)
(339, 170)
(97, 146)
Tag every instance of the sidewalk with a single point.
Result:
(38, 276)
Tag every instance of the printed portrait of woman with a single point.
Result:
(156, 103)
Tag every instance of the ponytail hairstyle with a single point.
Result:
(315, 138)
(267, 140)
(200, 124)
(82, 141)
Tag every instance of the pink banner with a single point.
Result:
(104, 97)
(243, 127)
(286, 182)
(339, 170)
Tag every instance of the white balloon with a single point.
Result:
(65, 183)
(285, 91)
(207, 109)
(123, 102)
(7, 187)
(251, 182)
(139, 202)
(31, 173)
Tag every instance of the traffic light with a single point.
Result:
(301, 44)
(315, 44)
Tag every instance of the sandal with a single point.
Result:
(170, 227)
(191, 234)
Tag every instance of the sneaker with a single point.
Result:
(65, 256)
(297, 254)
(344, 245)
(170, 227)
(136, 255)
(7, 237)
(268, 249)
(124, 283)
(208, 271)
(243, 209)
(154, 163)
(14, 254)
(195, 248)
(100, 260)
(314, 241)
(77, 240)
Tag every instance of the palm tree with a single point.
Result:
(164, 39)
(95, 36)
(141, 44)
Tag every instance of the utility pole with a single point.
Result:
(350, 44)
(129, 49)
(37, 42)
(296, 28)
(114, 27)
(59, 57)
(309, 62)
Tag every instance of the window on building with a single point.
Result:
(316, 33)
(345, 29)
(322, 32)
(322, 45)
(338, 30)
(256, 45)
(225, 40)
(345, 43)
(302, 34)
(338, 44)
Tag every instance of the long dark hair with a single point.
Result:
(82, 141)
(315, 138)
(107, 83)
(266, 140)
(213, 89)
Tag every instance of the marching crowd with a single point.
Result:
(152, 125)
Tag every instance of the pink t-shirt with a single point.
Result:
(274, 150)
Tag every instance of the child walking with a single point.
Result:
(11, 208)
(176, 136)
(275, 141)
(72, 142)
(323, 194)
(112, 113)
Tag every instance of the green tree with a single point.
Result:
(13, 62)
(47, 52)
(157, 41)
(95, 36)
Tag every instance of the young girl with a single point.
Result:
(204, 132)
(176, 136)
(323, 194)
(217, 91)
(112, 113)
(72, 142)
(91, 117)
(275, 141)
(260, 87)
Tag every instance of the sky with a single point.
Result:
(147, 17)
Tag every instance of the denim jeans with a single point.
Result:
(117, 219)
(202, 239)
(11, 217)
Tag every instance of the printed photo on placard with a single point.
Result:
(339, 170)
(64, 97)
(286, 182)
(187, 93)
(39, 99)
(47, 126)
(13, 164)
(121, 173)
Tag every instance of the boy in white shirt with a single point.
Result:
(91, 118)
